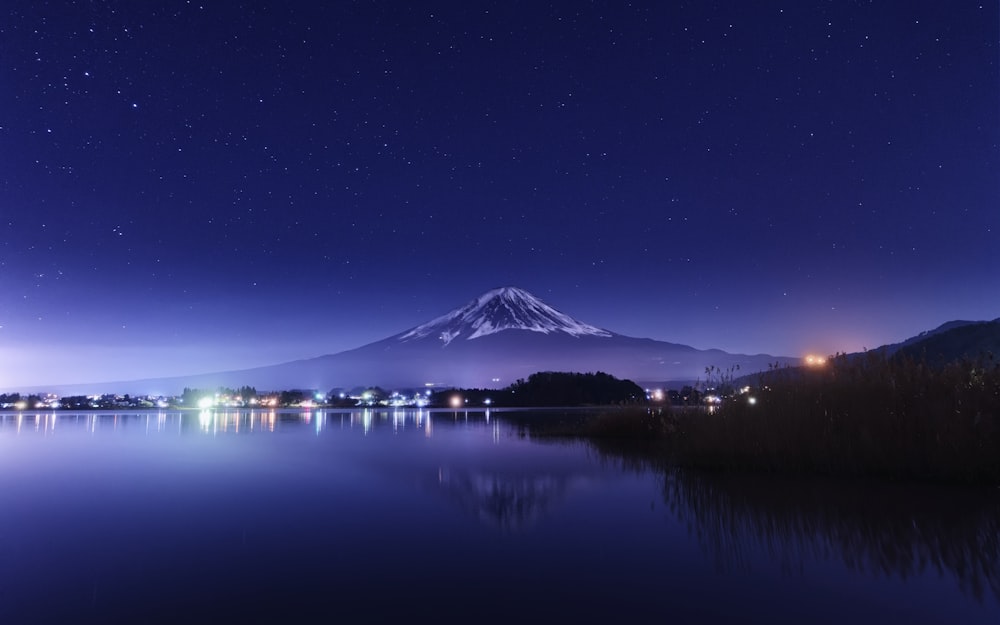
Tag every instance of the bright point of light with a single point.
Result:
(487, 401)
(21, 405)
(456, 401)
(206, 402)
(815, 361)
(751, 400)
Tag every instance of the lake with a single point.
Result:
(365, 516)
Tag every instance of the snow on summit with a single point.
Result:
(507, 308)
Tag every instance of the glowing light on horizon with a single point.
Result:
(812, 360)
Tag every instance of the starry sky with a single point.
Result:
(199, 186)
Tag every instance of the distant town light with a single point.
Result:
(456, 401)
(815, 361)
(206, 402)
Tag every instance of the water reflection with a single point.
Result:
(874, 528)
(504, 500)
(741, 523)
(237, 421)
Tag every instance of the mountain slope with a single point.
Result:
(958, 340)
(501, 336)
(507, 308)
(927, 334)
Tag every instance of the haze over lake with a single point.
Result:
(364, 515)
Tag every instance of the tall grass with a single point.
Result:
(868, 415)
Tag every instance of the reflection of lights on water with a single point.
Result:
(222, 422)
(204, 418)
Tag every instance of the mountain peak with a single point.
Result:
(505, 308)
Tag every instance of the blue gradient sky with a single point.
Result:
(198, 186)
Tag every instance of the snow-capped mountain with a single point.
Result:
(507, 308)
(501, 336)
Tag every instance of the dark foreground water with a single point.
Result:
(345, 517)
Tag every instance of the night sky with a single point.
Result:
(199, 186)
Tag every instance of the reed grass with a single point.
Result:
(870, 415)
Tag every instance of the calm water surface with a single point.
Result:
(365, 516)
